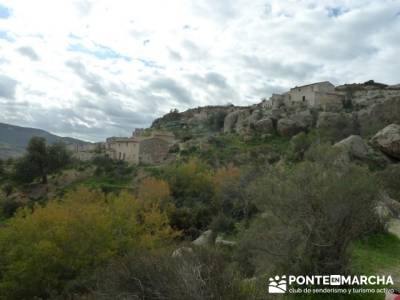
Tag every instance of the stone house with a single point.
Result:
(84, 152)
(120, 148)
(319, 95)
(137, 149)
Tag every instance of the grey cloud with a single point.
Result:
(170, 86)
(219, 11)
(268, 67)
(216, 79)
(8, 87)
(174, 55)
(209, 79)
(195, 52)
(92, 81)
(29, 52)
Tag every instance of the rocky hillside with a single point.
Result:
(14, 139)
(366, 109)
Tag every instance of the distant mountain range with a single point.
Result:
(14, 139)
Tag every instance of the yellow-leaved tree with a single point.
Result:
(47, 249)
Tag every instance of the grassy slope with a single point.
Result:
(374, 255)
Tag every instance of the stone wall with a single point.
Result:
(124, 149)
(329, 101)
(153, 150)
(309, 93)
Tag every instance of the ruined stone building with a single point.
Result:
(319, 95)
(137, 149)
(84, 152)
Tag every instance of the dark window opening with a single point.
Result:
(304, 98)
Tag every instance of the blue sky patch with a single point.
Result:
(101, 52)
(336, 11)
(5, 36)
(150, 63)
(5, 12)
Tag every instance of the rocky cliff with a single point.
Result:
(366, 108)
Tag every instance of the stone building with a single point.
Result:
(123, 149)
(84, 152)
(137, 149)
(310, 93)
(153, 150)
(319, 95)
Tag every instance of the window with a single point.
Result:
(304, 98)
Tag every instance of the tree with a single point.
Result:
(57, 157)
(40, 160)
(48, 249)
(1, 167)
(38, 156)
(311, 212)
(155, 192)
(192, 190)
(25, 171)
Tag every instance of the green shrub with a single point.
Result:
(51, 249)
(311, 212)
(197, 275)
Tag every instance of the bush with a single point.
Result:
(203, 274)
(389, 180)
(222, 224)
(215, 121)
(192, 190)
(310, 215)
(49, 249)
(8, 207)
(299, 144)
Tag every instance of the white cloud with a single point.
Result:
(94, 68)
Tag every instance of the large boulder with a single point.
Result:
(303, 118)
(289, 127)
(237, 121)
(265, 125)
(355, 148)
(388, 140)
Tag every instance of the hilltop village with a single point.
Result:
(142, 147)
(320, 105)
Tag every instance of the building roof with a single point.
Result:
(315, 83)
(122, 140)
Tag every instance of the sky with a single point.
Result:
(91, 69)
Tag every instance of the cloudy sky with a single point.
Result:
(92, 69)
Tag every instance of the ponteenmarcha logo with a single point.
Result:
(277, 285)
(282, 284)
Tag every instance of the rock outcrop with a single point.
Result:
(265, 125)
(355, 148)
(388, 140)
(237, 121)
(204, 239)
(289, 127)
(379, 114)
